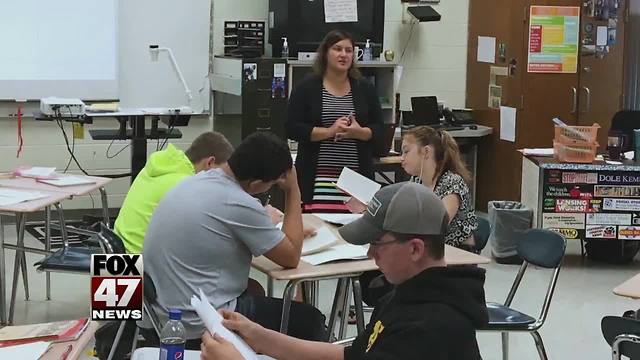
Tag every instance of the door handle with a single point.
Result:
(588, 99)
(574, 103)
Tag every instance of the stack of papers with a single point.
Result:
(356, 185)
(53, 331)
(68, 181)
(213, 322)
(323, 239)
(13, 196)
(338, 219)
(103, 107)
(538, 152)
(36, 172)
(337, 252)
(27, 351)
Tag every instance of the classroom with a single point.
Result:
(321, 179)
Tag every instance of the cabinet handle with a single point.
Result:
(574, 103)
(588, 92)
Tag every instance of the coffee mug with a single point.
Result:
(357, 53)
(614, 146)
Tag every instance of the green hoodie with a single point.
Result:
(164, 170)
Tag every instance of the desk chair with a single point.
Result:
(542, 248)
(481, 234)
(623, 335)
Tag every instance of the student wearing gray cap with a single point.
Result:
(433, 311)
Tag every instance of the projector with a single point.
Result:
(62, 107)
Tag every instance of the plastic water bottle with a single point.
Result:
(173, 337)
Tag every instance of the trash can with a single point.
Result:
(508, 220)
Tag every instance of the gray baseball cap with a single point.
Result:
(404, 208)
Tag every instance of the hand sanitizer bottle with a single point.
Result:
(285, 48)
(368, 54)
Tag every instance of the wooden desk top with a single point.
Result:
(388, 160)
(453, 256)
(629, 288)
(79, 347)
(77, 190)
(35, 205)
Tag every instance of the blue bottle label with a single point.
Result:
(172, 351)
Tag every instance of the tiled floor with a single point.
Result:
(572, 330)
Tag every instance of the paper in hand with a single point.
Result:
(213, 322)
(356, 185)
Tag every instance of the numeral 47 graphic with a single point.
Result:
(107, 291)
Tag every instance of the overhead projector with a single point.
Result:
(62, 107)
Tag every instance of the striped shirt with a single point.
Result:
(333, 156)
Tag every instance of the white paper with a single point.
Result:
(508, 123)
(340, 11)
(337, 252)
(26, 351)
(279, 70)
(539, 152)
(356, 185)
(486, 49)
(213, 322)
(13, 196)
(68, 181)
(148, 353)
(323, 239)
(602, 35)
(629, 155)
(37, 171)
(340, 219)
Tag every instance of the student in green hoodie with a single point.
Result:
(164, 170)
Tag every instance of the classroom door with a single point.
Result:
(601, 63)
(546, 95)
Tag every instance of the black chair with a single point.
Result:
(482, 233)
(623, 123)
(542, 248)
(623, 335)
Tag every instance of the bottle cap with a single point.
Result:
(175, 314)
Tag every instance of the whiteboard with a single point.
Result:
(65, 48)
(182, 26)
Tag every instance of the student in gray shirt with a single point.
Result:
(205, 231)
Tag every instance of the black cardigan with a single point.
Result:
(304, 112)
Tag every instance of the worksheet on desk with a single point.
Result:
(323, 239)
(13, 196)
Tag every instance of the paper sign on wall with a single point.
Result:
(507, 123)
(486, 49)
(340, 11)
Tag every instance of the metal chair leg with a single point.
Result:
(23, 262)
(357, 300)
(14, 286)
(105, 207)
(344, 321)
(337, 298)
(114, 346)
(134, 345)
(505, 345)
(47, 246)
(3, 278)
(539, 345)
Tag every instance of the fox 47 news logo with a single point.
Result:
(116, 287)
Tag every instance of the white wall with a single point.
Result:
(165, 22)
(435, 61)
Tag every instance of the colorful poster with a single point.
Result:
(553, 39)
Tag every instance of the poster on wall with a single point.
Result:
(553, 39)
